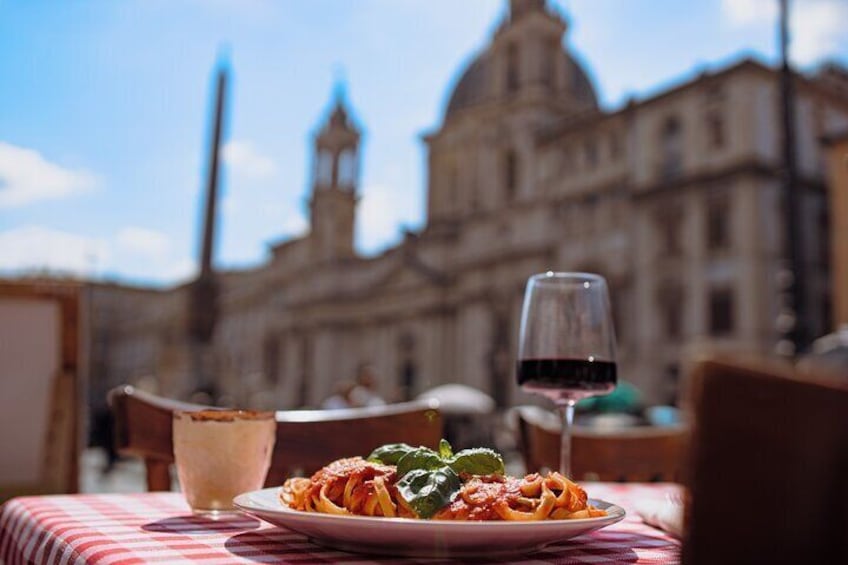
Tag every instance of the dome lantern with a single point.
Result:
(518, 8)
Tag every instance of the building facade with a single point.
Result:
(674, 198)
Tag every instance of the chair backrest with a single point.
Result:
(306, 439)
(768, 468)
(39, 385)
(636, 454)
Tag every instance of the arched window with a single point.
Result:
(510, 174)
(590, 150)
(271, 351)
(324, 168)
(550, 50)
(722, 311)
(670, 298)
(512, 68)
(714, 126)
(671, 147)
(347, 168)
(718, 221)
(408, 370)
(614, 146)
(669, 223)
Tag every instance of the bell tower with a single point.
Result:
(335, 181)
(518, 8)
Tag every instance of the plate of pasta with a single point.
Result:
(419, 502)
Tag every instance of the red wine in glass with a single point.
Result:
(566, 346)
(560, 379)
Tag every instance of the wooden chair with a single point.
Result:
(306, 439)
(39, 387)
(768, 467)
(637, 454)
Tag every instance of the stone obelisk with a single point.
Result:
(203, 291)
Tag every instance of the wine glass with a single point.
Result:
(566, 347)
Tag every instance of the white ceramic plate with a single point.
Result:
(421, 538)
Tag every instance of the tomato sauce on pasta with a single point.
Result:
(354, 486)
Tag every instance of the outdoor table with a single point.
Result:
(158, 527)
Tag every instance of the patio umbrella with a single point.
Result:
(458, 399)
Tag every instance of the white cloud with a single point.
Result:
(747, 12)
(35, 247)
(143, 241)
(26, 177)
(381, 213)
(179, 269)
(817, 29)
(294, 224)
(816, 26)
(134, 252)
(246, 160)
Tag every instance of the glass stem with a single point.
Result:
(566, 412)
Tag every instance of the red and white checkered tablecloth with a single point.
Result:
(159, 528)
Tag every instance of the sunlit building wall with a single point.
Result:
(674, 198)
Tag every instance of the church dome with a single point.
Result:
(476, 85)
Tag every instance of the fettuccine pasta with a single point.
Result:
(354, 486)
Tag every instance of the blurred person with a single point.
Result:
(102, 435)
(622, 408)
(829, 355)
(148, 383)
(625, 399)
(341, 397)
(364, 392)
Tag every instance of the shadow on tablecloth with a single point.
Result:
(192, 524)
(281, 543)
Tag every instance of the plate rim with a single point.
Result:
(242, 502)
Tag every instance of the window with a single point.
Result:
(619, 302)
(512, 68)
(567, 158)
(500, 367)
(669, 222)
(714, 124)
(510, 175)
(823, 235)
(671, 146)
(452, 179)
(272, 358)
(670, 298)
(591, 150)
(408, 371)
(324, 168)
(347, 168)
(721, 311)
(718, 224)
(826, 314)
(549, 57)
(614, 146)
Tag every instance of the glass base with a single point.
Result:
(217, 513)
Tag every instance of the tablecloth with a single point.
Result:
(128, 529)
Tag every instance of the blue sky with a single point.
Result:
(104, 109)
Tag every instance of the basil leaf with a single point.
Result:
(390, 453)
(478, 461)
(429, 491)
(445, 449)
(421, 458)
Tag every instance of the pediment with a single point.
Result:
(411, 273)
